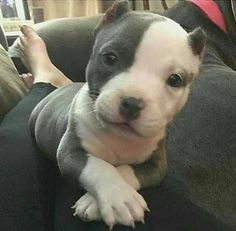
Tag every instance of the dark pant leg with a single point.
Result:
(168, 212)
(24, 201)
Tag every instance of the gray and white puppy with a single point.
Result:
(108, 136)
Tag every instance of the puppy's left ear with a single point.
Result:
(197, 41)
(116, 11)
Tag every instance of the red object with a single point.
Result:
(211, 9)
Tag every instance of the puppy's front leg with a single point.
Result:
(149, 173)
(118, 202)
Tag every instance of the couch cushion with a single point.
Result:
(3, 40)
(12, 88)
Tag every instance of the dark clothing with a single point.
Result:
(34, 196)
(22, 169)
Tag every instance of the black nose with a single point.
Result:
(130, 107)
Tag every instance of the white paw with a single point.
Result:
(121, 204)
(87, 208)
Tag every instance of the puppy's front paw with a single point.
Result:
(87, 208)
(121, 204)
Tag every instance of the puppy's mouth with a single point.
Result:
(123, 128)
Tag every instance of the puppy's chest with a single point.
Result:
(118, 151)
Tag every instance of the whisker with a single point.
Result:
(88, 93)
(86, 90)
(84, 106)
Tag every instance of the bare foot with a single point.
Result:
(27, 79)
(35, 57)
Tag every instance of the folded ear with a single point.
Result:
(116, 11)
(197, 40)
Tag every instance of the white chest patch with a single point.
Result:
(117, 150)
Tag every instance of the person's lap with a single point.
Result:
(168, 211)
(36, 197)
(21, 168)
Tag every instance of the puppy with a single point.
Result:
(109, 135)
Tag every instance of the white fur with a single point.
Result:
(101, 143)
(87, 208)
(129, 176)
(164, 50)
(118, 202)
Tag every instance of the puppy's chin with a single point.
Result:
(127, 130)
(148, 132)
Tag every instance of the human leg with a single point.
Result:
(34, 55)
(26, 177)
(21, 164)
(27, 79)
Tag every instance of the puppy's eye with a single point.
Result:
(109, 58)
(175, 80)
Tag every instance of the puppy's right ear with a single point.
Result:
(197, 40)
(116, 11)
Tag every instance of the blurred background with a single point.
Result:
(17, 12)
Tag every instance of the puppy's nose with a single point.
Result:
(130, 107)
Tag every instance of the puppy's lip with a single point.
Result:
(124, 127)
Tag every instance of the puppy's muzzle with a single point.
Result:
(130, 108)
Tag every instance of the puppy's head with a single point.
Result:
(140, 70)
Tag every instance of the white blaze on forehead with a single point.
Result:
(165, 46)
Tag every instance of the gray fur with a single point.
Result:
(71, 156)
(52, 123)
(48, 121)
(197, 41)
(73, 136)
(151, 172)
(123, 37)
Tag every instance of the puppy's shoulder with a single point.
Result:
(56, 102)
